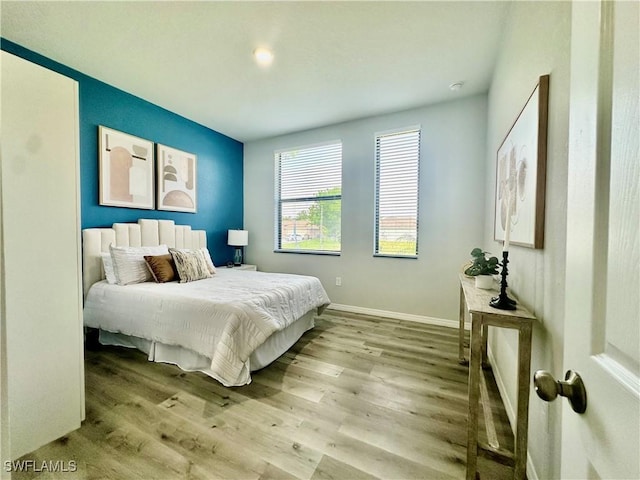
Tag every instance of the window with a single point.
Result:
(396, 208)
(309, 198)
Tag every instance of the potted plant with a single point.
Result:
(482, 267)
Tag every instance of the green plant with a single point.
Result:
(481, 264)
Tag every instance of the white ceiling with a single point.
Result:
(334, 61)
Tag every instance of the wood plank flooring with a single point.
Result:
(357, 397)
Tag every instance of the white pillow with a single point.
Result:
(207, 258)
(129, 265)
(107, 268)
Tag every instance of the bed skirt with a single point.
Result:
(191, 361)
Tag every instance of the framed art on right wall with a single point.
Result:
(521, 173)
(177, 180)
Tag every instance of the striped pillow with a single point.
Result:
(107, 268)
(190, 264)
(129, 265)
(207, 257)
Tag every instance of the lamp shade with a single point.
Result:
(238, 238)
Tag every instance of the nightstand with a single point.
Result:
(246, 266)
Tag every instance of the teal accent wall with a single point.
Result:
(219, 167)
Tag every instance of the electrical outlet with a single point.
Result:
(338, 281)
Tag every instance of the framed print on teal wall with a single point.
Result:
(126, 170)
(177, 181)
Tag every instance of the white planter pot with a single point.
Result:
(484, 281)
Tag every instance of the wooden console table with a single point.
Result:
(476, 302)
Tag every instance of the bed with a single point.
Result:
(226, 326)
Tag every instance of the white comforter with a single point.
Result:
(224, 318)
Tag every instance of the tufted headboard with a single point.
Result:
(146, 232)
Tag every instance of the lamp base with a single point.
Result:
(237, 257)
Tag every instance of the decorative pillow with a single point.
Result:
(107, 268)
(162, 267)
(190, 264)
(207, 257)
(129, 264)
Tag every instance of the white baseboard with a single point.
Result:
(508, 406)
(395, 315)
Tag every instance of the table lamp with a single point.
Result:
(238, 239)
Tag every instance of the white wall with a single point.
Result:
(451, 210)
(536, 42)
(42, 314)
(4, 392)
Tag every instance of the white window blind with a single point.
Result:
(397, 182)
(309, 198)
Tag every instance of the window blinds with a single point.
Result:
(397, 189)
(309, 195)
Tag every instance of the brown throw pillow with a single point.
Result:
(162, 267)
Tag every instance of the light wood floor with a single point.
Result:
(357, 397)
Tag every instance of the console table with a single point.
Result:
(475, 301)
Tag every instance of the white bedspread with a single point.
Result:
(224, 318)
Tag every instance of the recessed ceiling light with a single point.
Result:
(454, 87)
(263, 56)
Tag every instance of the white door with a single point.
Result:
(602, 315)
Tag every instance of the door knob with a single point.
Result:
(548, 388)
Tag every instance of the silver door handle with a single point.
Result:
(548, 388)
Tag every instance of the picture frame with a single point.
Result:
(126, 169)
(521, 163)
(176, 180)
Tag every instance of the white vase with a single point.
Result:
(484, 281)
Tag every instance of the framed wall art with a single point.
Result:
(126, 170)
(521, 173)
(177, 183)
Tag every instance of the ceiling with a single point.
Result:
(334, 61)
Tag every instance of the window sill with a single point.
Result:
(310, 252)
(386, 255)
